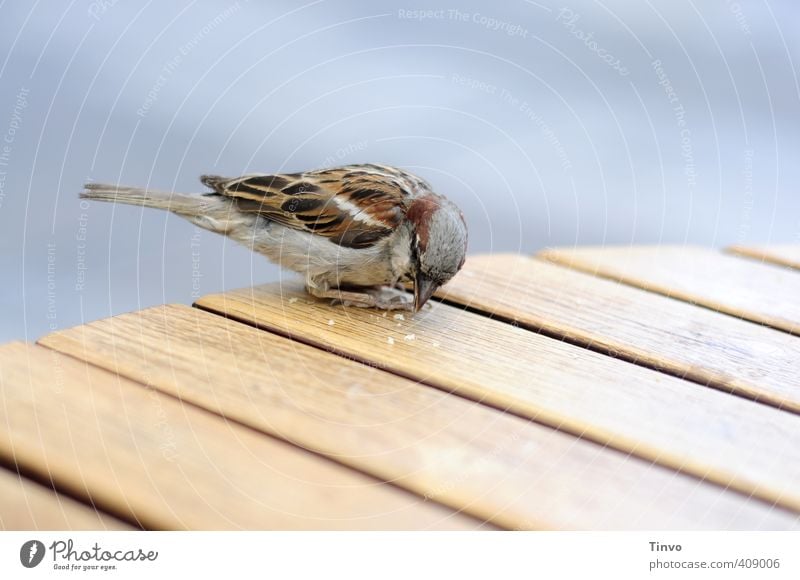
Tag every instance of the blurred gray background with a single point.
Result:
(549, 123)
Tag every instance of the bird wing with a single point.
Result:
(354, 206)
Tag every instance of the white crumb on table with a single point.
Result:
(390, 340)
(293, 299)
(399, 317)
(331, 322)
(410, 337)
(436, 344)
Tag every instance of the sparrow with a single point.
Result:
(356, 233)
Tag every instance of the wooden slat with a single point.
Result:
(27, 505)
(491, 464)
(155, 460)
(742, 288)
(704, 346)
(660, 418)
(780, 254)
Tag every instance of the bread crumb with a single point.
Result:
(331, 322)
(410, 337)
(292, 300)
(399, 317)
(390, 340)
(436, 344)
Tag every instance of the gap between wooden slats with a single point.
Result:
(168, 465)
(779, 254)
(491, 464)
(28, 505)
(628, 407)
(745, 289)
(641, 327)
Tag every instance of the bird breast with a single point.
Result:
(322, 261)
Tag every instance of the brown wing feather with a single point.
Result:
(355, 206)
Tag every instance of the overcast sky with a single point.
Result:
(548, 123)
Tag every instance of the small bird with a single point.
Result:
(356, 233)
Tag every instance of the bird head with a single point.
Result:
(438, 244)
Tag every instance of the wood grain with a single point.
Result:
(659, 332)
(728, 440)
(745, 289)
(27, 505)
(780, 254)
(493, 465)
(168, 465)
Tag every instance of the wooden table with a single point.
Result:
(584, 388)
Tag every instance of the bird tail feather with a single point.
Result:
(176, 202)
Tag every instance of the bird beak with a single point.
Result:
(423, 290)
